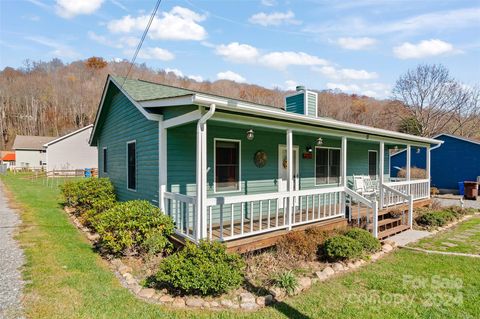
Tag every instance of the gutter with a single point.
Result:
(251, 108)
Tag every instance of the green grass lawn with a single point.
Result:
(66, 279)
(463, 238)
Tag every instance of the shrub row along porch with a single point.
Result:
(227, 169)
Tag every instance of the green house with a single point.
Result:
(231, 170)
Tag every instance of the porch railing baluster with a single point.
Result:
(232, 226)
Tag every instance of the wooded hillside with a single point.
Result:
(53, 98)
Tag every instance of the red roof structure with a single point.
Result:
(9, 157)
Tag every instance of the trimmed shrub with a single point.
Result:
(88, 193)
(206, 269)
(342, 247)
(133, 227)
(369, 243)
(287, 281)
(303, 246)
(435, 218)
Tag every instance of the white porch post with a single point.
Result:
(381, 176)
(290, 182)
(427, 159)
(201, 160)
(162, 165)
(408, 165)
(343, 171)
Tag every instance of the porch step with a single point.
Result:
(386, 221)
(392, 231)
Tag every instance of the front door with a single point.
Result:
(283, 168)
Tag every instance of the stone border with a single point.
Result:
(241, 299)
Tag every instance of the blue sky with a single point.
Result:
(358, 46)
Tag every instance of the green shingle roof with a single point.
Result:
(143, 91)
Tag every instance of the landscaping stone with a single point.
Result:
(328, 271)
(206, 305)
(337, 267)
(260, 301)
(93, 236)
(124, 269)
(146, 293)
(116, 262)
(304, 283)
(321, 275)
(135, 287)
(246, 297)
(214, 304)
(166, 299)
(178, 302)
(226, 303)
(376, 256)
(387, 248)
(358, 263)
(268, 299)
(249, 306)
(278, 293)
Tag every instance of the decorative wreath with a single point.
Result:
(285, 164)
(260, 159)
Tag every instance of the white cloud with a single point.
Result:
(346, 74)
(197, 78)
(376, 90)
(356, 43)
(290, 85)
(180, 74)
(281, 60)
(423, 49)
(177, 72)
(70, 8)
(274, 18)
(177, 24)
(237, 52)
(269, 3)
(152, 53)
(59, 50)
(434, 21)
(230, 75)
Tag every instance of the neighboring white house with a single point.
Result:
(72, 151)
(30, 151)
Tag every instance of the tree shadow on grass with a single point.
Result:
(278, 305)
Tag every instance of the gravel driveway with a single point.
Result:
(455, 201)
(11, 260)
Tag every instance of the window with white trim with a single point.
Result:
(132, 166)
(227, 166)
(327, 165)
(104, 159)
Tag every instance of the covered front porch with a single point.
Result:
(256, 176)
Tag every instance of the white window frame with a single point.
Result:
(376, 165)
(328, 177)
(104, 151)
(215, 165)
(136, 164)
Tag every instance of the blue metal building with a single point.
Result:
(456, 160)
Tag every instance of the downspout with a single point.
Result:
(201, 209)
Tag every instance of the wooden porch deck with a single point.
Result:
(388, 226)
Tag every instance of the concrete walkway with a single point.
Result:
(409, 236)
(11, 260)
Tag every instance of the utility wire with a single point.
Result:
(139, 46)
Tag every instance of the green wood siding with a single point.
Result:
(122, 122)
(295, 103)
(311, 104)
(182, 149)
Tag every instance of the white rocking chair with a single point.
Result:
(364, 185)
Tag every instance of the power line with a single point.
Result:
(139, 46)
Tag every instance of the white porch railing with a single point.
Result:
(234, 217)
(182, 209)
(419, 188)
(362, 211)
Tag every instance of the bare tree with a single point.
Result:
(432, 97)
